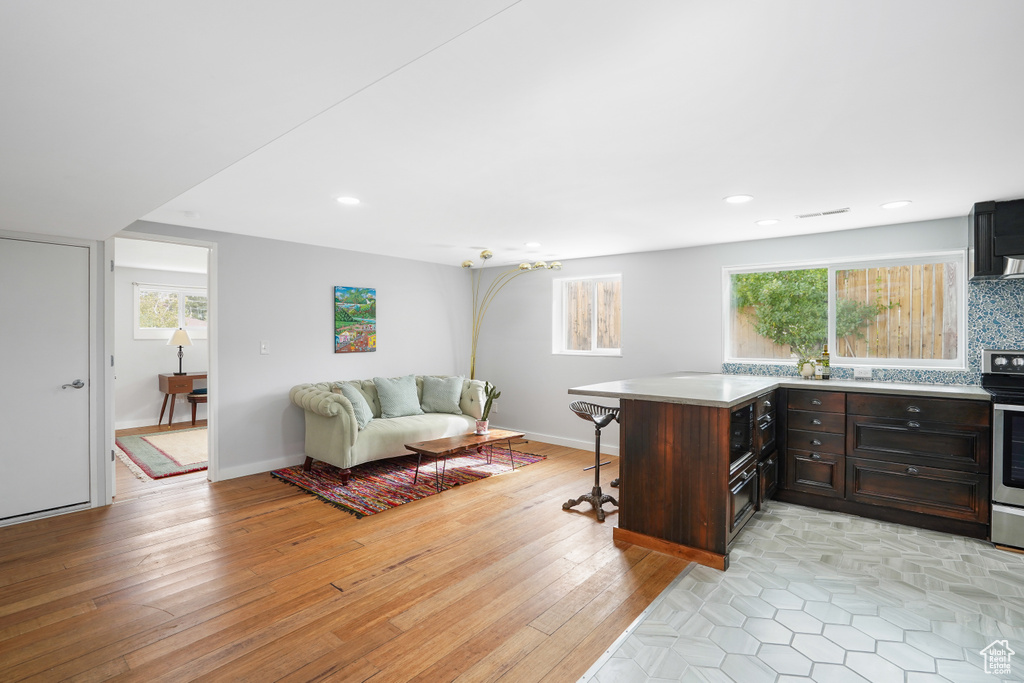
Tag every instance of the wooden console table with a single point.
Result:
(171, 384)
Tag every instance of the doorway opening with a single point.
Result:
(162, 304)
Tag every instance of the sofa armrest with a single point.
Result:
(317, 399)
(331, 427)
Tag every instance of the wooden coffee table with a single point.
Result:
(440, 449)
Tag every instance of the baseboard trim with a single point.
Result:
(261, 467)
(583, 445)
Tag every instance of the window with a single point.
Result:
(160, 309)
(588, 316)
(895, 312)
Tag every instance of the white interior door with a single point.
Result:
(44, 345)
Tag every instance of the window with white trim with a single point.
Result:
(588, 316)
(906, 311)
(161, 309)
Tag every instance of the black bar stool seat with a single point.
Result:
(601, 417)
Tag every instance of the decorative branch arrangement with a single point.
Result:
(481, 303)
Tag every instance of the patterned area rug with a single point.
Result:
(384, 484)
(166, 454)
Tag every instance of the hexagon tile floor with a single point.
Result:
(822, 596)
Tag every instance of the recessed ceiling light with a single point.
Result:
(348, 201)
(896, 204)
(767, 221)
(532, 245)
(738, 198)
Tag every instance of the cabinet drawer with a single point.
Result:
(926, 490)
(821, 442)
(813, 421)
(821, 401)
(957, 411)
(178, 385)
(818, 473)
(916, 442)
(764, 405)
(768, 478)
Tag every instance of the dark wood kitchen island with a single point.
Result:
(687, 490)
(674, 436)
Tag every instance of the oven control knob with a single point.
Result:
(1018, 361)
(999, 360)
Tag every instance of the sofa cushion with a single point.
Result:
(360, 407)
(387, 438)
(397, 395)
(441, 395)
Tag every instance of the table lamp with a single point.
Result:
(180, 338)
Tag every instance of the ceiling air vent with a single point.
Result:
(833, 212)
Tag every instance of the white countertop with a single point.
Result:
(725, 391)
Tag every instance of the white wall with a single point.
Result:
(283, 293)
(137, 398)
(671, 319)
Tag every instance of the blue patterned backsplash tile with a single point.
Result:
(995, 320)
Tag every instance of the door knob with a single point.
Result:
(77, 384)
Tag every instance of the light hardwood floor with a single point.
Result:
(251, 579)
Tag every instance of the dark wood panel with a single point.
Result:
(817, 421)
(932, 444)
(823, 442)
(818, 473)
(675, 472)
(957, 411)
(824, 401)
(927, 490)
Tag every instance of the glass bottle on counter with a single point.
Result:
(826, 369)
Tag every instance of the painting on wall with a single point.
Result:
(355, 319)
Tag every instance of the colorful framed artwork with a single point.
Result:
(355, 319)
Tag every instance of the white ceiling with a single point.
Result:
(591, 126)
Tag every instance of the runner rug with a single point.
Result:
(165, 454)
(384, 484)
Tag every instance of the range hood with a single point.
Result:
(996, 240)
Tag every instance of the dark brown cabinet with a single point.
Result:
(926, 490)
(820, 474)
(816, 442)
(765, 447)
(917, 460)
(768, 478)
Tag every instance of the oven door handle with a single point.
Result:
(1003, 406)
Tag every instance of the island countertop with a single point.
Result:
(726, 391)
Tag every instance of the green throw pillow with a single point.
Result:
(441, 395)
(397, 396)
(359, 405)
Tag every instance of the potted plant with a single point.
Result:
(490, 392)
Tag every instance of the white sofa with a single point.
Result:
(333, 434)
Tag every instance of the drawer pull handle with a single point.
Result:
(767, 404)
(769, 462)
(911, 470)
(913, 424)
(815, 456)
(815, 402)
(815, 442)
(815, 421)
(913, 409)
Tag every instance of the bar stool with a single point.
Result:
(601, 416)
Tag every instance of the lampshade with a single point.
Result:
(179, 338)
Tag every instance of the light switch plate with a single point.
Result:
(264, 348)
(862, 373)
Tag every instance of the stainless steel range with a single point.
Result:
(1003, 377)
